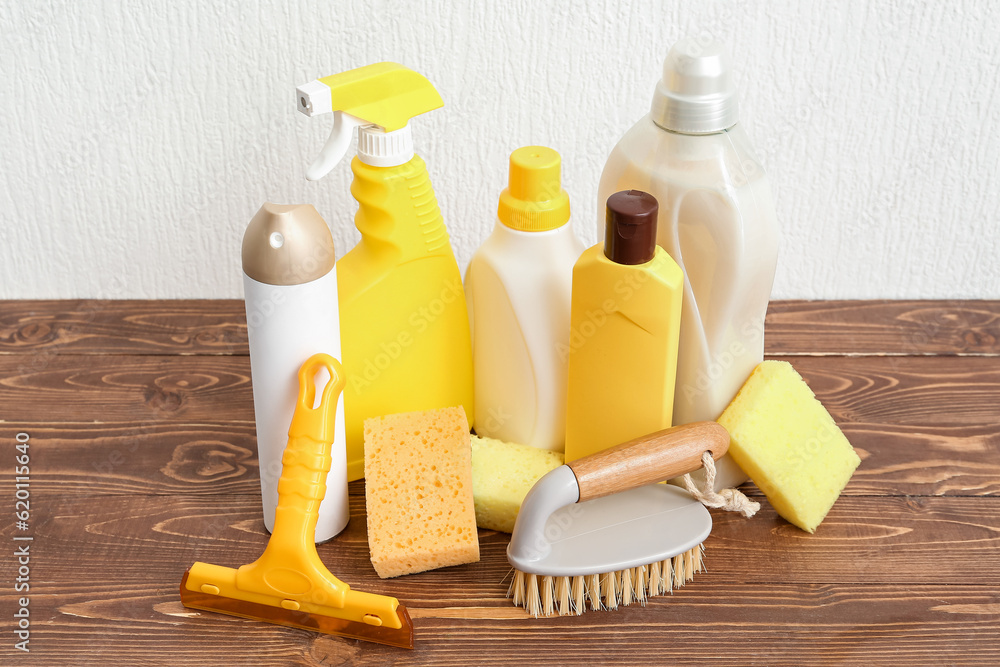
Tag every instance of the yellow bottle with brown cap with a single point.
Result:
(625, 320)
(403, 318)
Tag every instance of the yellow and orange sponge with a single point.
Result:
(418, 491)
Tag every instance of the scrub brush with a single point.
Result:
(599, 532)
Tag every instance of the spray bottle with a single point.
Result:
(291, 301)
(403, 316)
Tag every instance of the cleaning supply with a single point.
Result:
(623, 340)
(599, 531)
(518, 287)
(404, 323)
(289, 585)
(789, 444)
(291, 303)
(502, 474)
(418, 491)
(716, 219)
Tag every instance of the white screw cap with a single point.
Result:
(696, 94)
(379, 148)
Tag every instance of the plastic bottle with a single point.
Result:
(518, 286)
(404, 323)
(291, 303)
(625, 318)
(716, 220)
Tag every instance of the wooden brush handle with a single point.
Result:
(649, 459)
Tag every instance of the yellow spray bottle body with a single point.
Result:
(403, 317)
(404, 323)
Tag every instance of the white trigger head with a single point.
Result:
(380, 100)
(336, 146)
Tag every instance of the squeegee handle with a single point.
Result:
(306, 459)
(649, 459)
(290, 567)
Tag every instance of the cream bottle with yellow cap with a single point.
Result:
(403, 320)
(518, 285)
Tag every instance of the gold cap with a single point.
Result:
(287, 244)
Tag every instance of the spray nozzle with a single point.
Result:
(378, 99)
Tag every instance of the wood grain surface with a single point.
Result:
(143, 461)
(219, 327)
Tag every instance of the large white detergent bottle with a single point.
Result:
(518, 288)
(716, 220)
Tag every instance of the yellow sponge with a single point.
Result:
(418, 492)
(788, 443)
(502, 474)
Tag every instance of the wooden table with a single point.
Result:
(142, 461)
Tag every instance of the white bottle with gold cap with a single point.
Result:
(291, 300)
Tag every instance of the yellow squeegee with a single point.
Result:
(288, 584)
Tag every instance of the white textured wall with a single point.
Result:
(137, 142)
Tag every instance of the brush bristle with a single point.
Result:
(562, 595)
(517, 588)
(593, 583)
(655, 580)
(579, 595)
(610, 591)
(548, 595)
(532, 600)
(626, 587)
(640, 583)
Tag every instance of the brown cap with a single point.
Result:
(287, 244)
(630, 234)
